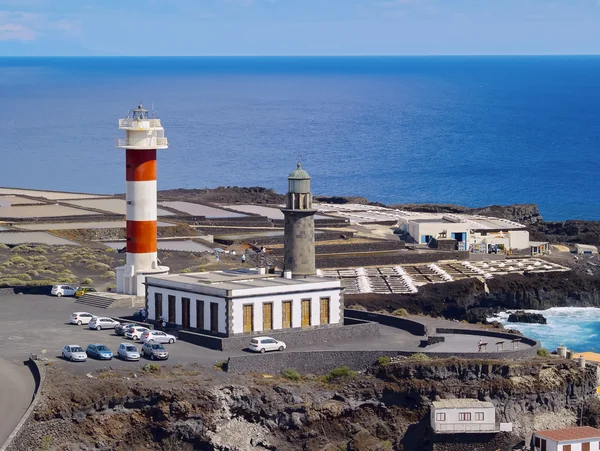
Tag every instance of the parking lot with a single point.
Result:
(33, 323)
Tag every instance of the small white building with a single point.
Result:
(465, 416)
(584, 438)
(244, 301)
(472, 232)
(586, 249)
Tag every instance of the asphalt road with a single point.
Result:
(16, 393)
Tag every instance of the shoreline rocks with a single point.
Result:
(524, 317)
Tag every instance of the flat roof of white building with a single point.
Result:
(372, 213)
(586, 247)
(463, 403)
(241, 282)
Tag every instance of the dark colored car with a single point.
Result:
(122, 328)
(99, 351)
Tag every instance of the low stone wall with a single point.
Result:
(412, 327)
(318, 362)
(9, 291)
(490, 333)
(16, 440)
(343, 247)
(297, 337)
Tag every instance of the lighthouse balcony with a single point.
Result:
(139, 124)
(151, 142)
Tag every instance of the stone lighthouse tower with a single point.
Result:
(299, 229)
(143, 136)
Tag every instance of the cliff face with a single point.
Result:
(387, 409)
(584, 232)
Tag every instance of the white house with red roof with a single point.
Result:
(584, 438)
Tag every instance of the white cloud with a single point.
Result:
(16, 32)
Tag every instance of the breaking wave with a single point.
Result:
(575, 327)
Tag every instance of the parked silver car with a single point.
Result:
(157, 336)
(80, 318)
(155, 351)
(74, 353)
(128, 351)
(102, 322)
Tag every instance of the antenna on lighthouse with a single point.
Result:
(153, 111)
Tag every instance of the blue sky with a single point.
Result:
(298, 27)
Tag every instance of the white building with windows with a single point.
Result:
(465, 416)
(584, 438)
(244, 301)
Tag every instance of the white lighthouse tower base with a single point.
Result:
(131, 281)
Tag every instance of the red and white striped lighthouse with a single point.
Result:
(144, 135)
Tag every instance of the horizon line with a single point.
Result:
(318, 56)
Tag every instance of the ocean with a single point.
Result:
(577, 328)
(465, 130)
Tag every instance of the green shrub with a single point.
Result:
(384, 360)
(87, 281)
(18, 259)
(109, 275)
(357, 307)
(97, 266)
(7, 263)
(47, 271)
(3, 246)
(112, 287)
(400, 312)
(419, 356)
(22, 248)
(111, 250)
(33, 273)
(339, 374)
(291, 374)
(542, 352)
(23, 276)
(67, 280)
(11, 282)
(222, 366)
(37, 258)
(151, 367)
(47, 443)
(186, 270)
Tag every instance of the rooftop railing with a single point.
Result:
(135, 123)
(466, 427)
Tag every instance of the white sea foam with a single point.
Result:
(574, 327)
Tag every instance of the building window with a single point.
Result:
(305, 310)
(478, 416)
(286, 312)
(248, 318)
(199, 314)
(268, 316)
(566, 447)
(464, 416)
(585, 446)
(157, 306)
(214, 317)
(440, 417)
(185, 312)
(324, 311)
(537, 442)
(172, 309)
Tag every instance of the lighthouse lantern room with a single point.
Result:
(143, 136)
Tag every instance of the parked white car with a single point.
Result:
(136, 332)
(157, 336)
(102, 322)
(128, 352)
(74, 353)
(63, 290)
(264, 344)
(80, 318)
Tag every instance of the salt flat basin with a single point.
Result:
(201, 210)
(169, 245)
(81, 225)
(42, 211)
(12, 200)
(269, 212)
(118, 206)
(33, 237)
(53, 195)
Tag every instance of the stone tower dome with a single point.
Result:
(299, 225)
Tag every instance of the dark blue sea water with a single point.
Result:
(465, 130)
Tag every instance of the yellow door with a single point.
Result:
(305, 312)
(267, 316)
(248, 318)
(287, 314)
(324, 310)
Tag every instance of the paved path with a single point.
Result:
(16, 393)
